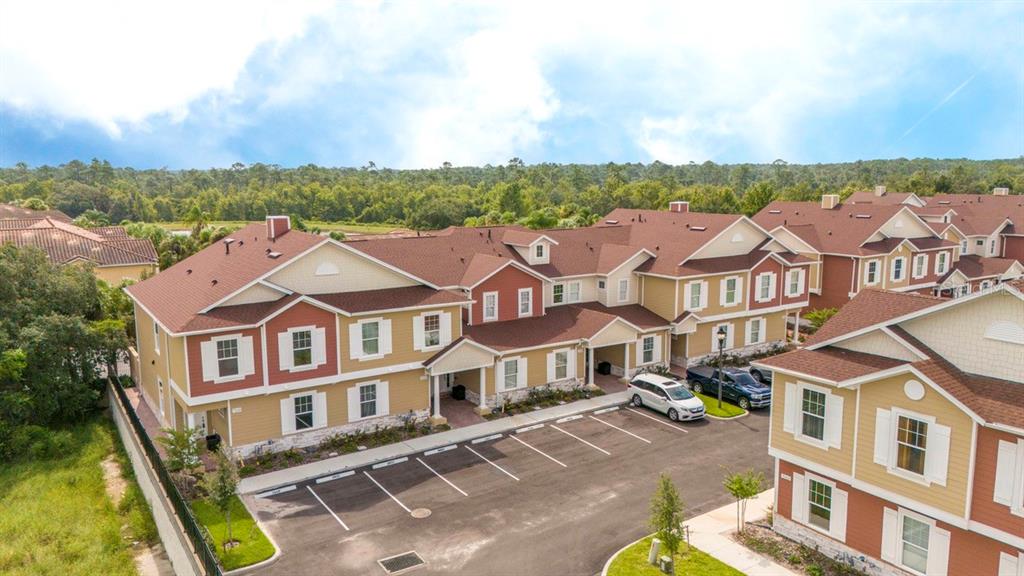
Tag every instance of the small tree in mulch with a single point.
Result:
(221, 486)
(667, 514)
(182, 447)
(743, 486)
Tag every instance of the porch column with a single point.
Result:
(796, 327)
(482, 408)
(590, 366)
(625, 361)
(435, 417)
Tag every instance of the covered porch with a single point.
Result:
(459, 383)
(619, 350)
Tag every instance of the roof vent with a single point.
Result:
(189, 271)
(213, 282)
(274, 255)
(227, 245)
(863, 216)
(698, 228)
(775, 211)
(944, 202)
(611, 222)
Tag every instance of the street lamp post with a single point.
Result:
(721, 335)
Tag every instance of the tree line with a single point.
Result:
(540, 195)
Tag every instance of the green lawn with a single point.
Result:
(55, 515)
(727, 411)
(633, 562)
(324, 226)
(253, 544)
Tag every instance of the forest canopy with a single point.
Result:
(540, 195)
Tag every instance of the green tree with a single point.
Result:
(819, 316)
(34, 203)
(667, 514)
(182, 447)
(221, 487)
(757, 197)
(743, 486)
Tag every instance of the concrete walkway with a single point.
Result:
(399, 449)
(712, 533)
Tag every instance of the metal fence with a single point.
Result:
(194, 532)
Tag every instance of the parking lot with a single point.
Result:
(558, 498)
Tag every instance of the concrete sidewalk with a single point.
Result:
(399, 449)
(712, 533)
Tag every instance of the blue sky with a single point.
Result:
(412, 85)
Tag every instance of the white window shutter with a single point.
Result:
(721, 291)
(446, 328)
(739, 290)
(383, 399)
(208, 350)
(883, 437)
(570, 368)
(746, 332)
(246, 362)
(790, 409)
(772, 285)
(353, 403)
(551, 366)
(687, 295)
(319, 343)
(703, 293)
(284, 351)
(799, 501)
(834, 420)
(499, 376)
(657, 348)
(1009, 565)
(355, 341)
(936, 460)
(385, 336)
(417, 333)
(837, 525)
(801, 282)
(522, 373)
(319, 409)
(638, 350)
(938, 551)
(287, 416)
(1006, 466)
(890, 534)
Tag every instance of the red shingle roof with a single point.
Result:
(974, 267)
(833, 364)
(389, 299)
(868, 308)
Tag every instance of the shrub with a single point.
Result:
(820, 316)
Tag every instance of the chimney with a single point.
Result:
(829, 201)
(278, 226)
(678, 206)
(879, 191)
(1001, 191)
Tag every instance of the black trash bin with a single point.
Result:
(213, 442)
(604, 368)
(459, 392)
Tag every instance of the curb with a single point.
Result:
(263, 563)
(608, 563)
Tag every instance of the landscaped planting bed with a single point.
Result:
(726, 411)
(543, 398)
(795, 555)
(249, 545)
(689, 561)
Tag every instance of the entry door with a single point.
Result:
(447, 380)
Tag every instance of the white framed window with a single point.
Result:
(899, 269)
(623, 289)
(795, 282)
(963, 246)
(986, 284)
(696, 295)
(941, 263)
(819, 504)
(370, 338)
(490, 306)
(914, 542)
(992, 247)
(912, 446)
(765, 286)
(302, 348)
(813, 414)
(648, 349)
(303, 411)
(871, 272)
(911, 443)
(574, 291)
(731, 289)
(368, 400)
(980, 244)
(1009, 481)
(561, 365)
(227, 357)
(601, 284)
(510, 374)
(156, 337)
(755, 331)
(558, 293)
(432, 330)
(160, 395)
(539, 251)
(525, 302)
(920, 265)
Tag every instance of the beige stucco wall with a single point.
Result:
(841, 458)
(888, 393)
(610, 296)
(740, 238)
(155, 365)
(113, 275)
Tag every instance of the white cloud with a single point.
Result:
(119, 63)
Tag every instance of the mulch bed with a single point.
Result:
(794, 555)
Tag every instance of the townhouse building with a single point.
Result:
(894, 242)
(898, 434)
(277, 338)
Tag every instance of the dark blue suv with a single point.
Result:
(739, 386)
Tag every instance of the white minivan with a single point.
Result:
(665, 395)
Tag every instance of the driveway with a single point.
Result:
(555, 499)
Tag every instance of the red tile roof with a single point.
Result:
(870, 307)
(829, 363)
(177, 295)
(64, 242)
(10, 211)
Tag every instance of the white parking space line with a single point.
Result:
(397, 501)
(621, 430)
(459, 490)
(327, 508)
(539, 452)
(599, 449)
(659, 421)
(484, 458)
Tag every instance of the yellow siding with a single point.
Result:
(841, 458)
(153, 365)
(114, 275)
(700, 342)
(658, 297)
(888, 393)
(714, 284)
(402, 351)
(907, 263)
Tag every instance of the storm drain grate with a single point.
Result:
(401, 563)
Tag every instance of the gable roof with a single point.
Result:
(64, 242)
(887, 198)
(830, 363)
(10, 211)
(365, 301)
(840, 230)
(869, 307)
(974, 267)
(980, 214)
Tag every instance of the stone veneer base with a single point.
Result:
(833, 548)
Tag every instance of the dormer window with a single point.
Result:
(539, 251)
